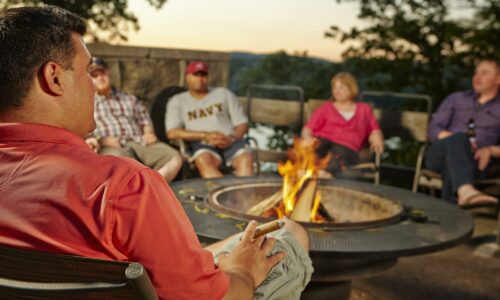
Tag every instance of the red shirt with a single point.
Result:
(56, 195)
(328, 123)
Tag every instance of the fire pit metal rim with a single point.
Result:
(450, 225)
(214, 204)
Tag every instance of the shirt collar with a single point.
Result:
(476, 97)
(28, 132)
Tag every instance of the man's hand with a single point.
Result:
(250, 258)
(111, 141)
(225, 142)
(216, 138)
(483, 157)
(444, 134)
(149, 138)
(93, 143)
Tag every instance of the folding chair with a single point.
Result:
(26, 274)
(273, 111)
(403, 115)
(158, 112)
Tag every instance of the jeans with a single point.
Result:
(453, 158)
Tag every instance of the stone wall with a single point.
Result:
(145, 72)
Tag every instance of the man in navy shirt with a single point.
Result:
(465, 132)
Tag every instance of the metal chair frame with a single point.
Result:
(27, 274)
(261, 155)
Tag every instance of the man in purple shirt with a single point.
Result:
(460, 157)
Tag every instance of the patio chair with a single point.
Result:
(26, 274)
(402, 115)
(273, 110)
(433, 181)
(158, 112)
(368, 167)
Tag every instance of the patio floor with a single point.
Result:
(452, 274)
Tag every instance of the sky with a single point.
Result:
(256, 26)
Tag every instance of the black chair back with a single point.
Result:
(26, 274)
(158, 110)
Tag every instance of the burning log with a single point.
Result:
(266, 204)
(304, 204)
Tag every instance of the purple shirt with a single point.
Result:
(456, 111)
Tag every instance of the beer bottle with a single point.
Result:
(471, 133)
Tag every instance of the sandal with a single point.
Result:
(470, 201)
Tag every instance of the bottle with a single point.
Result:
(471, 133)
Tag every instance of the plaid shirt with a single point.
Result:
(120, 115)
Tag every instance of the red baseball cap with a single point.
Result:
(197, 66)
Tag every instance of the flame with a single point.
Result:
(303, 165)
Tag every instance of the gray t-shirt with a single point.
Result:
(220, 111)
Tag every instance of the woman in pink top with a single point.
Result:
(343, 126)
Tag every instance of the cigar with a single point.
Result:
(268, 227)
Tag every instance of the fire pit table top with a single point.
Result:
(446, 226)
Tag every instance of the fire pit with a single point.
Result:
(354, 245)
(348, 208)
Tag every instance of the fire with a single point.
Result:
(298, 172)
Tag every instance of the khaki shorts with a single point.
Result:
(154, 156)
(288, 278)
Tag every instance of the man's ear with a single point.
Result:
(50, 77)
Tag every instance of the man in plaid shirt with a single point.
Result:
(124, 127)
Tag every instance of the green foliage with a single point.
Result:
(108, 20)
(419, 44)
(283, 69)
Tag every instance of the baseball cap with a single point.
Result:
(197, 66)
(98, 64)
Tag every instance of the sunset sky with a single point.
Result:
(257, 26)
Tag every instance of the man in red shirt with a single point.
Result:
(58, 196)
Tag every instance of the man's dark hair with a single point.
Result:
(29, 38)
(491, 60)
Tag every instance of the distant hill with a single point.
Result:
(242, 61)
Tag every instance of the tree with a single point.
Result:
(108, 20)
(313, 75)
(428, 50)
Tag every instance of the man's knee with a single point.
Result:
(298, 232)
(243, 164)
(207, 160)
(176, 160)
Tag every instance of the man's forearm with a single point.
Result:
(240, 131)
(186, 135)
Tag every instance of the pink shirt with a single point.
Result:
(328, 123)
(56, 195)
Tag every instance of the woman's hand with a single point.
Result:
(376, 140)
(307, 139)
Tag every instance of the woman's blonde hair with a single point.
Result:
(349, 80)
